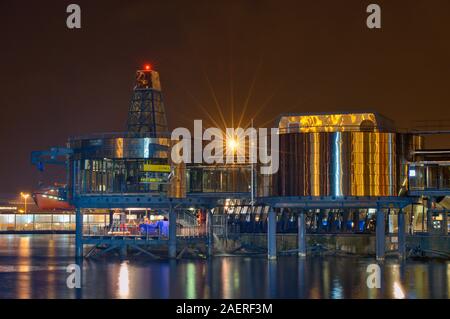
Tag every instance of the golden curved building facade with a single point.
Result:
(341, 155)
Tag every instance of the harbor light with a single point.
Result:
(232, 144)
(25, 197)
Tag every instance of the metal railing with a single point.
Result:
(191, 231)
(99, 230)
(102, 135)
(106, 230)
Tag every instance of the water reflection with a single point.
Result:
(124, 280)
(448, 279)
(272, 282)
(24, 276)
(336, 291)
(35, 267)
(190, 282)
(301, 278)
(398, 291)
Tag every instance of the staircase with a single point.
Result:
(186, 219)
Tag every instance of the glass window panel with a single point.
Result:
(416, 177)
(24, 222)
(432, 176)
(445, 178)
(7, 221)
(43, 218)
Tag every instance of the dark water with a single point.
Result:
(34, 266)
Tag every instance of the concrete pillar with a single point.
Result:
(272, 234)
(401, 234)
(78, 233)
(380, 234)
(301, 234)
(210, 232)
(172, 233)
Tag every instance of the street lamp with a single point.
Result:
(25, 197)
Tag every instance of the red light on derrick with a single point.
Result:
(147, 67)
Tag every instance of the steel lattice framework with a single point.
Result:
(146, 113)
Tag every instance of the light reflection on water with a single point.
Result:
(124, 280)
(398, 291)
(34, 266)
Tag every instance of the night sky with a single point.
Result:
(279, 56)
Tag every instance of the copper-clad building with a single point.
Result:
(354, 154)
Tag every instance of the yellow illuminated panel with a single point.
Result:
(315, 162)
(119, 147)
(161, 168)
(151, 180)
(326, 122)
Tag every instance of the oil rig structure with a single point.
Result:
(351, 173)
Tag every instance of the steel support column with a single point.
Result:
(210, 233)
(445, 222)
(78, 233)
(172, 233)
(401, 234)
(301, 234)
(272, 234)
(345, 218)
(123, 251)
(429, 215)
(380, 234)
(355, 221)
